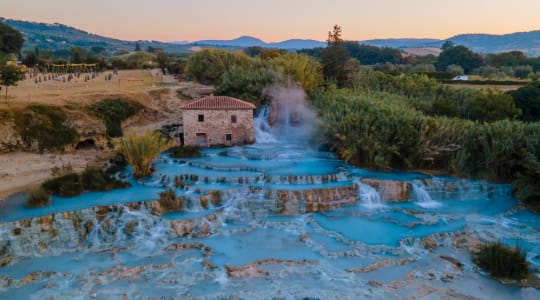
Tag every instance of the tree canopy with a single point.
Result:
(460, 56)
(11, 40)
(334, 58)
(527, 98)
(9, 76)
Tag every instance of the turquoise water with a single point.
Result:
(373, 248)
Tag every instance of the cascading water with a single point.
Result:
(423, 198)
(276, 211)
(263, 134)
(369, 197)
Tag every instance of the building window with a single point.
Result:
(201, 118)
(228, 137)
(233, 119)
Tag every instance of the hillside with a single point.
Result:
(528, 42)
(58, 36)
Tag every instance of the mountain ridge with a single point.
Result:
(57, 36)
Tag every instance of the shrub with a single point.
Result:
(502, 262)
(117, 164)
(67, 185)
(113, 112)
(141, 150)
(46, 125)
(38, 198)
(98, 180)
(73, 184)
(185, 151)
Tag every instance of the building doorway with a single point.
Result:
(201, 139)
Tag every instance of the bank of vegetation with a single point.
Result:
(72, 184)
(383, 116)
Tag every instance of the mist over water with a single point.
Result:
(287, 118)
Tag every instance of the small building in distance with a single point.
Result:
(218, 120)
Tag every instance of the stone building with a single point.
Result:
(218, 120)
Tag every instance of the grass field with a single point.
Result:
(130, 83)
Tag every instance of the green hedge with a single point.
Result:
(374, 130)
(73, 184)
(113, 112)
(46, 125)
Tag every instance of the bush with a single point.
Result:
(113, 112)
(185, 151)
(117, 164)
(98, 180)
(38, 198)
(502, 262)
(73, 184)
(46, 125)
(67, 185)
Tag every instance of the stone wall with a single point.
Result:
(216, 124)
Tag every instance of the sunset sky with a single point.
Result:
(276, 20)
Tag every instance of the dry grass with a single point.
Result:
(130, 84)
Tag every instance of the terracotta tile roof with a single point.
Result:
(218, 103)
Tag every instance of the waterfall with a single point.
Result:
(263, 130)
(369, 197)
(423, 198)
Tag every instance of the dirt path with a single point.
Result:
(22, 171)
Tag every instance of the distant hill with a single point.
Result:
(243, 41)
(527, 42)
(58, 36)
(249, 41)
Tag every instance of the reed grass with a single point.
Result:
(140, 151)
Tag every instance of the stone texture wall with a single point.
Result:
(217, 123)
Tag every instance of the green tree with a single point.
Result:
(162, 60)
(370, 55)
(30, 59)
(9, 76)
(490, 106)
(77, 55)
(209, 65)
(137, 46)
(334, 58)
(458, 55)
(245, 82)
(11, 40)
(527, 98)
(522, 72)
(506, 59)
(304, 70)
